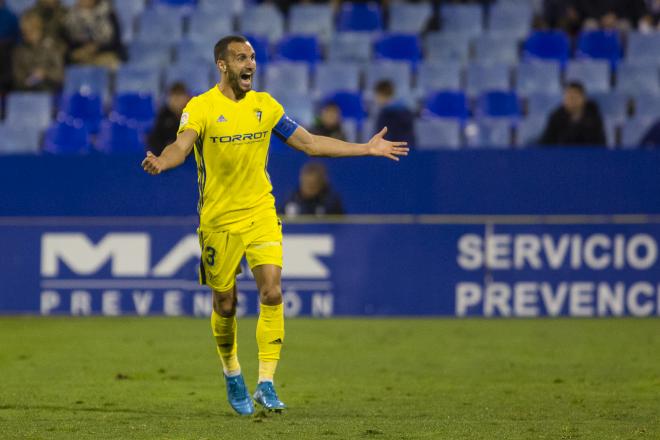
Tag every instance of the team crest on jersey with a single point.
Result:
(222, 119)
(257, 113)
(184, 119)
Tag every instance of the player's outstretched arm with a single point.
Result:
(172, 156)
(315, 145)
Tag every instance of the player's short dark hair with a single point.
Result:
(577, 86)
(384, 87)
(220, 49)
(178, 88)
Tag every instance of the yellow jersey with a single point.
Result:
(232, 153)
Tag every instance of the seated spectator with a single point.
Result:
(52, 14)
(92, 34)
(328, 123)
(576, 122)
(314, 195)
(8, 36)
(38, 63)
(393, 114)
(167, 120)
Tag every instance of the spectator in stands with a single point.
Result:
(576, 122)
(92, 34)
(314, 195)
(8, 36)
(167, 120)
(328, 122)
(393, 114)
(38, 63)
(52, 14)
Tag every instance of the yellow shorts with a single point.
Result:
(259, 239)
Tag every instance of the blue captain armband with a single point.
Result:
(285, 127)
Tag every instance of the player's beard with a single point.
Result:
(233, 80)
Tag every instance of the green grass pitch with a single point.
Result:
(158, 378)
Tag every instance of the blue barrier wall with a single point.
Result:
(579, 181)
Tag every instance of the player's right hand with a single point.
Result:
(152, 164)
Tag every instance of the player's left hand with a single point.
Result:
(377, 146)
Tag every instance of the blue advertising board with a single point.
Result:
(403, 265)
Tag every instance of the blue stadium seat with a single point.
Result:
(17, 140)
(548, 45)
(360, 17)
(335, 76)
(636, 79)
(410, 18)
(495, 49)
(194, 52)
(350, 47)
(447, 104)
(312, 19)
(610, 126)
(488, 133)
(67, 136)
(399, 72)
(647, 106)
(29, 109)
(350, 104)
(612, 105)
(88, 80)
(434, 76)
(196, 80)
(350, 129)
(264, 20)
(305, 48)
(538, 76)
(160, 26)
(530, 130)
(592, 73)
(511, 20)
(399, 47)
(486, 77)
(175, 3)
(119, 136)
(462, 18)
(231, 7)
(137, 107)
(643, 48)
(131, 78)
(289, 76)
(498, 104)
(604, 45)
(542, 104)
(127, 12)
(445, 46)
(155, 55)
(87, 108)
(260, 45)
(437, 133)
(633, 131)
(297, 105)
(19, 6)
(207, 27)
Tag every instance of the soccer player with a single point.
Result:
(229, 128)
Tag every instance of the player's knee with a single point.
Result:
(224, 304)
(271, 295)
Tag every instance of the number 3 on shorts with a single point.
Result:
(210, 255)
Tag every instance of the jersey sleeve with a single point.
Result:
(192, 118)
(283, 126)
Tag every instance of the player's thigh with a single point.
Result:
(221, 257)
(263, 241)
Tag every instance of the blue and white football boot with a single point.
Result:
(266, 396)
(238, 395)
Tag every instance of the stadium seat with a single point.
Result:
(127, 12)
(447, 47)
(154, 55)
(29, 109)
(160, 26)
(647, 106)
(538, 76)
(196, 80)
(399, 72)
(67, 136)
(232, 7)
(350, 129)
(409, 18)
(437, 133)
(633, 131)
(335, 76)
(434, 76)
(593, 74)
(447, 104)
(610, 126)
(194, 52)
(297, 105)
(637, 79)
(495, 49)
(130, 78)
(289, 76)
(398, 47)
(88, 80)
(304, 48)
(360, 17)
(542, 104)
(19, 6)
(612, 105)
(120, 136)
(510, 20)
(87, 108)
(312, 19)
(174, 3)
(352, 47)
(17, 140)
(206, 27)
(350, 104)
(530, 130)
(643, 48)
(462, 18)
(486, 77)
(498, 104)
(264, 20)
(137, 107)
(488, 133)
(604, 45)
(260, 45)
(548, 45)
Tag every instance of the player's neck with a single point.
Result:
(229, 92)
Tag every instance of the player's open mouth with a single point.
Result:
(246, 79)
